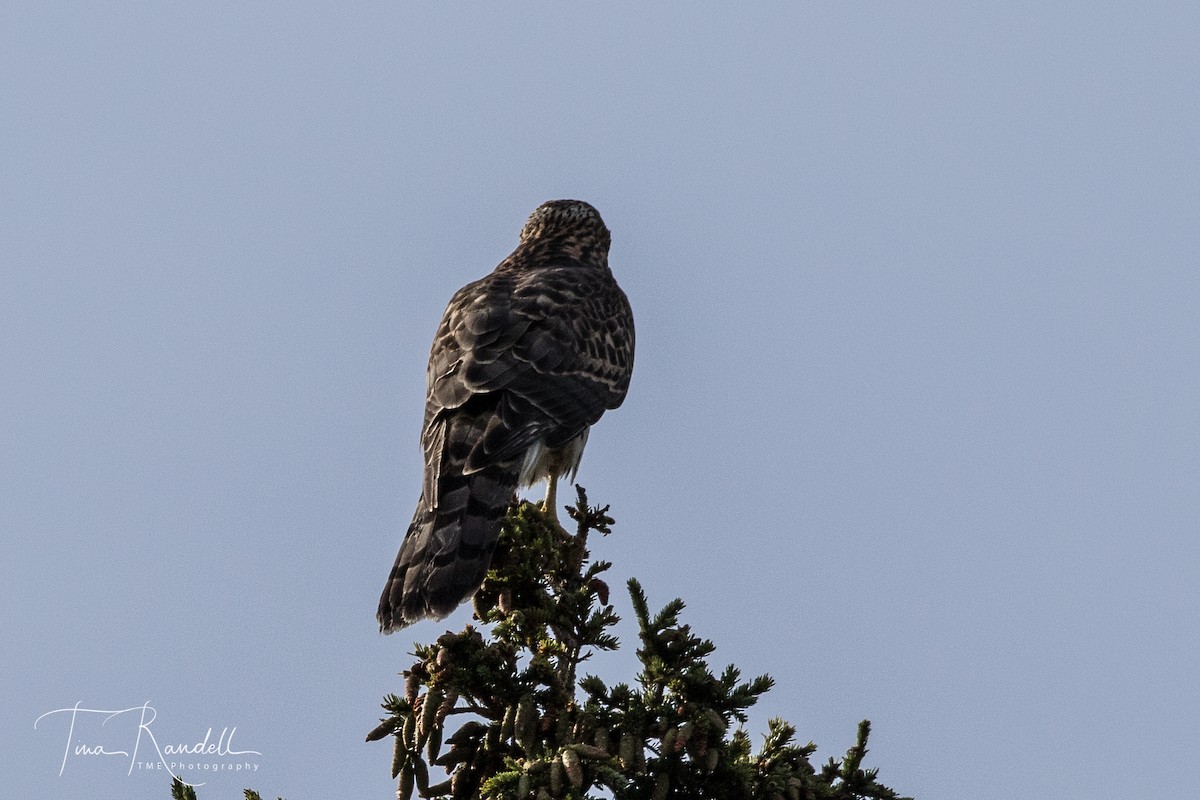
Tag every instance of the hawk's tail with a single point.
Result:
(447, 551)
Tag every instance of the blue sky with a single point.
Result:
(913, 425)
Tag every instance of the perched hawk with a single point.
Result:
(523, 363)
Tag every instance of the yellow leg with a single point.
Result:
(550, 504)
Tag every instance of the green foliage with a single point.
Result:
(181, 791)
(531, 728)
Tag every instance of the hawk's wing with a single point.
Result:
(551, 348)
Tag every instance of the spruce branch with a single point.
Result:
(527, 726)
(533, 729)
(181, 791)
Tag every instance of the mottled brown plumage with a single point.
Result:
(523, 364)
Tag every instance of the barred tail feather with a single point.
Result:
(447, 550)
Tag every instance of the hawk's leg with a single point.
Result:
(550, 505)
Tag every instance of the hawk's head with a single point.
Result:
(572, 219)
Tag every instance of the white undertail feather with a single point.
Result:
(542, 463)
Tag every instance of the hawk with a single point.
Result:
(524, 362)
